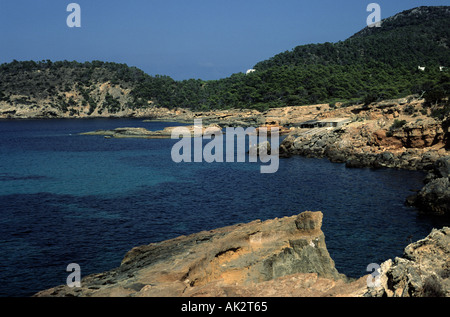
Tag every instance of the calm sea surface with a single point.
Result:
(66, 198)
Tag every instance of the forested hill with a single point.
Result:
(419, 36)
(375, 63)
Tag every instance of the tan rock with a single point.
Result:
(278, 257)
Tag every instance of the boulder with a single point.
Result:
(261, 148)
(434, 198)
(442, 167)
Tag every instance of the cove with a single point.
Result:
(66, 198)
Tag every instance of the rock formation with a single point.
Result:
(415, 146)
(279, 257)
(144, 133)
(284, 257)
(434, 198)
(423, 271)
(263, 148)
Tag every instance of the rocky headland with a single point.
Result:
(284, 257)
(391, 134)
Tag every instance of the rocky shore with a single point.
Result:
(284, 257)
(223, 262)
(389, 134)
(435, 195)
(288, 256)
(422, 271)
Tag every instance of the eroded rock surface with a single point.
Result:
(284, 257)
(423, 271)
(371, 144)
(278, 257)
(434, 197)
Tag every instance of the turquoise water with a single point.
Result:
(66, 198)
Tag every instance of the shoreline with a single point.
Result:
(367, 140)
(281, 257)
(333, 136)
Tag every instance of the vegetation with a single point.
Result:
(397, 124)
(432, 287)
(374, 64)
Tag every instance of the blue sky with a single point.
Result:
(207, 39)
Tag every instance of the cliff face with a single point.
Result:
(366, 144)
(250, 259)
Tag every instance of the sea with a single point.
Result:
(86, 199)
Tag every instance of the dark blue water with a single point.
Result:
(66, 198)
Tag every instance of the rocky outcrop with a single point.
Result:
(276, 257)
(422, 271)
(417, 134)
(434, 198)
(146, 134)
(370, 144)
(284, 257)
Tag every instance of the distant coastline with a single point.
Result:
(396, 133)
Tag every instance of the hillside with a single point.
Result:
(419, 36)
(62, 88)
(374, 64)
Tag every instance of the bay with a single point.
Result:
(67, 198)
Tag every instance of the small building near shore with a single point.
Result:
(307, 124)
(324, 123)
(334, 122)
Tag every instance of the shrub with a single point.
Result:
(432, 287)
(369, 98)
(397, 124)
(435, 96)
(441, 113)
(410, 110)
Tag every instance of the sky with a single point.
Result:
(183, 39)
